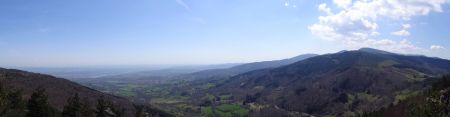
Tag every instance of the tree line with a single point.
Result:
(12, 104)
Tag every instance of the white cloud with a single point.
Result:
(404, 31)
(289, 4)
(183, 4)
(406, 26)
(342, 3)
(374, 33)
(323, 8)
(436, 47)
(354, 23)
(197, 19)
(401, 33)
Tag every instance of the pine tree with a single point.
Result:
(16, 100)
(139, 111)
(86, 108)
(73, 107)
(11, 103)
(3, 100)
(118, 112)
(38, 106)
(102, 106)
(106, 107)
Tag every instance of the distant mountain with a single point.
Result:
(88, 72)
(341, 84)
(57, 89)
(206, 71)
(169, 72)
(118, 71)
(244, 68)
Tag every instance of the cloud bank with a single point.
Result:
(355, 23)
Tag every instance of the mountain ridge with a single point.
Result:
(373, 73)
(245, 68)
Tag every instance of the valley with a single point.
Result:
(347, 83)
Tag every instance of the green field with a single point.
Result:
(225, 110)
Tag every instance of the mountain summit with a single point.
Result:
(371, 50)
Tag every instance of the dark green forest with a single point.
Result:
(12, 104)
(434, 102)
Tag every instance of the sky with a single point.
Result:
(55, 33)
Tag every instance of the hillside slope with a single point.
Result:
(341, 84)
(57, 89)
(434, 102)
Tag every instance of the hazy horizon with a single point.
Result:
(197, 32)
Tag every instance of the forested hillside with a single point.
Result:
(37, 95)
(434, 102)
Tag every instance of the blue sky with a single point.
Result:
(115, 32)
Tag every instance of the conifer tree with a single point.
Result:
(106, 107)
(38, 106)
(3, 100)
(15, 99)
(11, 103)
(86, 108)
(102, 106)
(73, 107)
